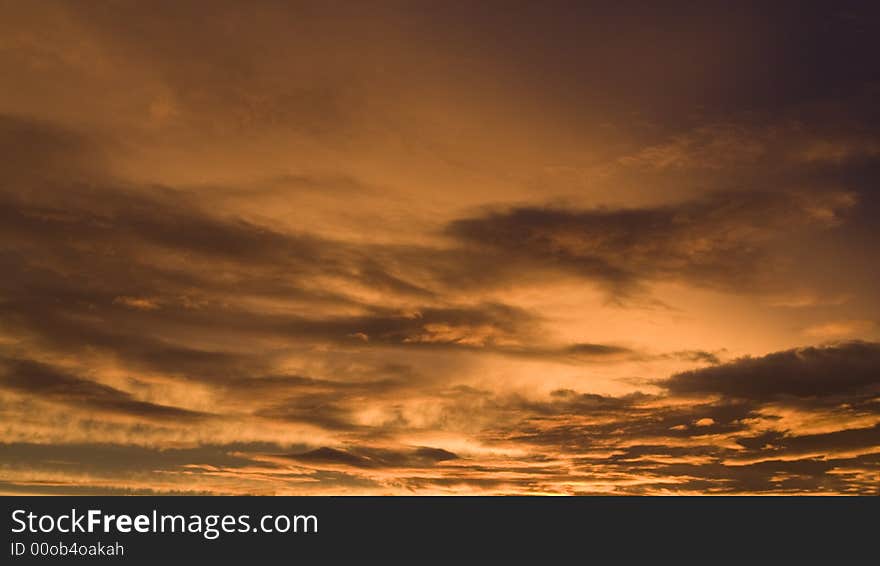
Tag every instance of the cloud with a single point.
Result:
(570, 442)
(734, 146)
(361, 345)
(846, 368)
(366, 457)
(776, 444)
(42, 151)
(840, 328)
(116, 458)
(227, 272)
(51, 384)
(135, 271)
(722, 240)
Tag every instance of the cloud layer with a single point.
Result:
(307, 250)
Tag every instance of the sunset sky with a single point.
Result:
(439, 247)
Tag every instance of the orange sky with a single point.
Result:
(283, 248)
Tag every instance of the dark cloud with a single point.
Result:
(39, 151)
(52, 384)
(366, 457)
(807, 475)
(723, 240)
(575, 423)
(793, 444)
(697, 356)
(330, 456)
(117, 458)
(329, 411)
(569, 402)
(841, 369)
(51, 488)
